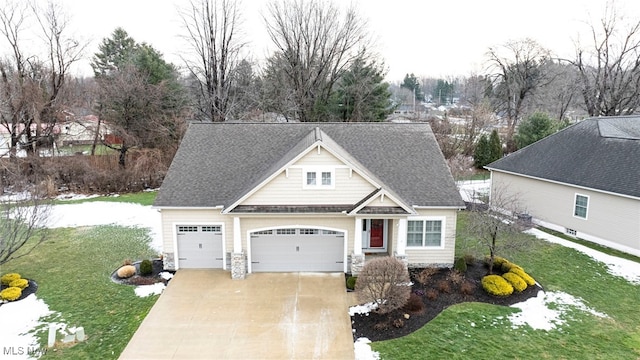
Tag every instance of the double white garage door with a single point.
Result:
(277, 250)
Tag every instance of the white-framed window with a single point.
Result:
(309, 231)
(426, 232)
(318, 178)
(214, 228)
(581, 206)
(286, 231)
(187, 229)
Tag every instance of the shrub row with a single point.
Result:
(15, 284)
(514, 278)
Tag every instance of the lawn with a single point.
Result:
(481, 331)
(73, 271)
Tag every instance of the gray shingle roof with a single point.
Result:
(597, 153)
(217, 163)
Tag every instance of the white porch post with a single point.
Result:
(237, 236)
(357, 237)
(402, 237)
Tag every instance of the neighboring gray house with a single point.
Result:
(583, 181)
(307, 197)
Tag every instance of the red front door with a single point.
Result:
(376, 235)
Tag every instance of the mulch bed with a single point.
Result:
(377, 327)
(142, 280)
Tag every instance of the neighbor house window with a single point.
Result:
(425, 232)
(315, 178)
(581, 206)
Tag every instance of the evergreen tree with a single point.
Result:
(534, 128)
(482, 153)
(495, 147)
(411, 83)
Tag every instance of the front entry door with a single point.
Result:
(374, 237)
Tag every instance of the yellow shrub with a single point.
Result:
(10, 293)
(126, 271)
(19, 283)
(6, 279)
(516, 281)
(507, 265)
(526, 277)
(496, 285)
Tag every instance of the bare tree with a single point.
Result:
(22, 226)
(31, 85)
(495, 225)
(517, 72)
(315, 43)
(385, 282)
(212, 31)
(610, 70)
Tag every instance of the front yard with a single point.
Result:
(73, 270)
(483, 331)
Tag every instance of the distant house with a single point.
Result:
(583, 181)
(80, 130)
(307, 197)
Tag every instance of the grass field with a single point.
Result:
(451, 335)
(73, 270)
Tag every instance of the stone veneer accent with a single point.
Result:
(238, 266)
(357, 262)
(168, 261)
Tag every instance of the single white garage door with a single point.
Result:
(292, 250)
(199, 246)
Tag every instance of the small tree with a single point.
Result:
(536, 127)
(21, 223)
(495, 227)
(482, 153)
(495, 147)
(385, 282)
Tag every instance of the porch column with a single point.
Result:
(237, 235)
(238, 259)
(402, 237)
(357, 237)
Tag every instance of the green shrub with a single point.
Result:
(496, 285)
(146, 267)
(351, 282)
(460, 265)
(19, 283)
(6, 279)
(469, 259)
(516, 281)
(126, 271)
(526, 277)
(10, 293)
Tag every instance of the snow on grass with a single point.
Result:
(148, 290)
(108, 213)
(19, 319)
(627, 269)
(472, 190)
(548, 310)
(74, 196)
(363, 350)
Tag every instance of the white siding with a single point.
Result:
(287, 187)
(379, 201)
(612, 218)
(436, 256)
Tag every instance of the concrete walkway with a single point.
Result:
(203, 314)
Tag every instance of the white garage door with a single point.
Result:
(290, 250)
(199, 246)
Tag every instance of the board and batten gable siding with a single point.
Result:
(172, 217)
(382, 201)
(435, 256)
(611, 218)
(287, 187)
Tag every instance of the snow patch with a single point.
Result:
(473, 190)
(362, 309)
(19, 319)
(363, 350)
(166, 275)
(148, 290)
(537, 313)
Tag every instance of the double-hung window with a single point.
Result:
(318, 178)
(581, 205)
(426, 232)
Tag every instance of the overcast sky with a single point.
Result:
(432, 38)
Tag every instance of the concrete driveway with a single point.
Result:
(203, 314)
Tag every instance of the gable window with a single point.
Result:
(427, 232)
(581, 206)
(318, 178)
